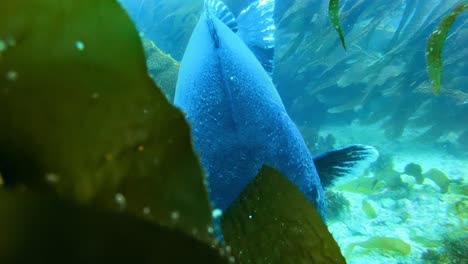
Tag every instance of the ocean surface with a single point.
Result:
(411, 205)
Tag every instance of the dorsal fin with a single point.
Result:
(257, 30)
(220, 10)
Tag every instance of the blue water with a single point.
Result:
(377, 92)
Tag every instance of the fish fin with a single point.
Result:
(220, 10)
(257, 30)
(341, 162)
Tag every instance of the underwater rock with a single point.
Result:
(458, 187)
(162, 68)
(337, 205)
(439, 177)
(387, 203)
(414, 170)
(384, 171)
(431, 256)
(454, 249)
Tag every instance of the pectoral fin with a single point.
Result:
(340, 162)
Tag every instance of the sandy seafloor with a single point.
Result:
(421, 220)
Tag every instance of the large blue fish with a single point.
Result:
(237, 117)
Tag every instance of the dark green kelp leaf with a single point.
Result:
(273, 222)
(82, 119)
(435, 45)
(333, 11)
(42, 230)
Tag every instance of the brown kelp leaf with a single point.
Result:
(333, 10)
(435, 44)
(42, 230)
(162, 68)
(273, 222)
(82, 118)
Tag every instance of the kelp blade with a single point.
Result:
(333, 13)
(273, 222)
(435, 45)
(43, 230)
(82, 119)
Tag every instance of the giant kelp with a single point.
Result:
(54, 129)
(272, 208)
(162, 68)
(382, 77)
(168, 23)
(435, 45)
(92, 126)
(37, 229)
(96, 164)
(333, 12)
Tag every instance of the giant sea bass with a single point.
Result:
(238, 120)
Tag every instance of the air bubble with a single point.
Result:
(120, 200)
(146, 210)
(12, 76)
(52, 178)
(217, 213)
(175, 216)
(250, 216)
(79, 45)
(210, 230)
(228, 249)
(3, 45)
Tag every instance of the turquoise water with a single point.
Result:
(376, 92)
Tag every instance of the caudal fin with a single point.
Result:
(345, 161)
(257, 30)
